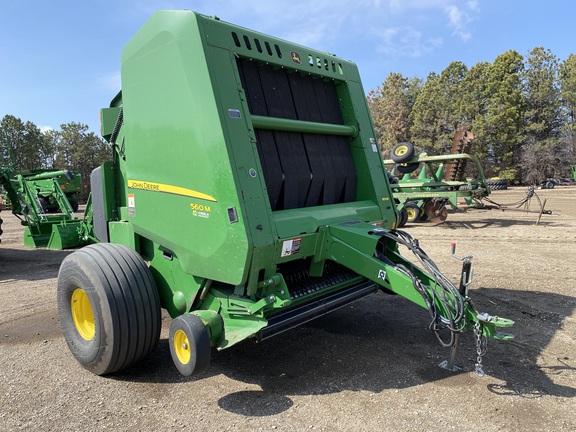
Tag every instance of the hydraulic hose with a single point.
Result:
(443, 293)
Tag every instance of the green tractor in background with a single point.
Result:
(32, 194)
(41, 181)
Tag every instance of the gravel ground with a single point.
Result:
(368, 367)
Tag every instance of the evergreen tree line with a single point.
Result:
(72, 147)
(520, 110)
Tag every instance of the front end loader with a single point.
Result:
(30, 193)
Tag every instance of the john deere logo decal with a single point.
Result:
(295, 57)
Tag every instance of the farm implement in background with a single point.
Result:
(441, 184)
(30, 194)
(551, 183)
(42, 182)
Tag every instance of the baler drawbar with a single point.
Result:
(246, 195)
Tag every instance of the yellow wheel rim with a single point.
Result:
(401, 151)
(82, 314)
(182, 346)
(411, 213)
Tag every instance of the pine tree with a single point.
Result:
(390, 106)
(505, 114)
(541, 154)
(436, 114)
(568, 92)
(26, 141)
(79, 150)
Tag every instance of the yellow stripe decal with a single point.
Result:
(176, 190)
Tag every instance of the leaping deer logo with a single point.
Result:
(295, 57)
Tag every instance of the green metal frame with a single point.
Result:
(42, 181)
(25, 190)
(54, 231)
(430, 184)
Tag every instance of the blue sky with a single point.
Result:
(60, 59)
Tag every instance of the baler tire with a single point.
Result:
(189, 345)
(402, 152)
(108, 307)
(413, 212)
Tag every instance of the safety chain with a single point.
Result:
(481, 344)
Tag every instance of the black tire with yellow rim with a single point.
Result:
(189, 345)
(108, 306)
(414, 212)
(407, 168)
(402, 152)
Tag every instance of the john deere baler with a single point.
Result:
(246, 195)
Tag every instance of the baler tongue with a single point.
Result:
(490, 325)
(373, 253)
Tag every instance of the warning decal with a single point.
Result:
(131, 205)
(290, 247)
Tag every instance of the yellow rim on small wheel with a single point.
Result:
(411, 213)
(190, 346)
(82, 314)
(401, 150)
(182, 346)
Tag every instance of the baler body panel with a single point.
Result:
(179, 177)
(191, 86)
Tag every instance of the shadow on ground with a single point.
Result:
(381, 342)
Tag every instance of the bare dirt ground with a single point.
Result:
(371, 366)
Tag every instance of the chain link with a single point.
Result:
(481, 344)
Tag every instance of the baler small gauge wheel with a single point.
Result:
(189, 345)
(108, 307)
(402, 152)
(413, 212)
